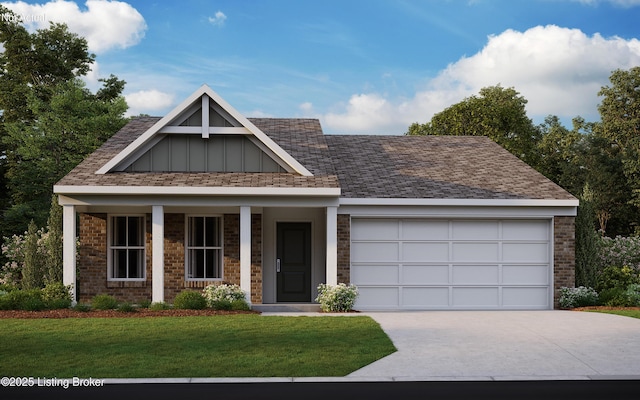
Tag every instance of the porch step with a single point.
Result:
(304, 307)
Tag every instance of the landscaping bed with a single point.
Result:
(142, 312)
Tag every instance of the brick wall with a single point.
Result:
(564, 255)
(344, 248)
(92, 263)
(92, 260)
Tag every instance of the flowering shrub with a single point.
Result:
(13, 248)
(225, 297)
(620, 251)
(578, 297)
(336, 298)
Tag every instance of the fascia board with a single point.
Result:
(191, 190)
(460, 202)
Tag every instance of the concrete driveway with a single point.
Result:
(507, 345)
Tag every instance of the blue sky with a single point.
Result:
(360, 66)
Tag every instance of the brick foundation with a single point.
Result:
(564, 255)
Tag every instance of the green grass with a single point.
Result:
(214, 346)
(626, 313)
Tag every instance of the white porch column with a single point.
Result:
(157, 249)
(69, 248)
(245, 251)
(332, 245)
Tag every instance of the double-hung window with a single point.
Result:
(127, 247)
(204, 248)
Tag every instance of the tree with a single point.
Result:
(32, 271)
(53, 262)
(587, 242)
(497, 112)
(70, 125)
(620, 115)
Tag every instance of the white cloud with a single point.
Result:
(558, 70)
(105, 24)
(218, 19)
(148, 102)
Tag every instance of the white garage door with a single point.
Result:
(451, 264)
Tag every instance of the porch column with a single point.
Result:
(245, 251)
(332, 246)
(157, 249)
(69, 248)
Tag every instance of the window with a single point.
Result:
(204, 248)
(127, 247)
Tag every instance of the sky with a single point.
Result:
(359, 66)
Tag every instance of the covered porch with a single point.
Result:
(152, 247)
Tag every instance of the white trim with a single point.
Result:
(69, 248)
(187, 233)
(332, 246)
(459, 202)
(109, 247)
(213, 130)
(204, 127)
(245, 251)
(196, 190)
(157, 262)
(188, 102)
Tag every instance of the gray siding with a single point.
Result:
(191, 153)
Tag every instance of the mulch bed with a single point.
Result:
(143, 312)
(603, 308)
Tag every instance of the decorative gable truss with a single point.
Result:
(219, 139)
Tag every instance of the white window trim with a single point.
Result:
(187, 248)
(110, 248)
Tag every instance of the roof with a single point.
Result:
(362, 166)
(435, 167)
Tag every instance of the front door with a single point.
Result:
(293, 262)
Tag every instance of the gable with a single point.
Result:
(191, 153)
(204, 134)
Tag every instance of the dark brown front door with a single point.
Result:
(293, 263)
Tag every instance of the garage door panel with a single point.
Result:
(375, 229)
(425, 275)
(525, 230)
(476, 274)
(525, 297)
(375, 274)
(375, 252)
(525, 275)
(436, 252)
(475, 252)
(377, 297)
(525, 252)
(472, 230)
(425, 297)
(470, 297)
(425, 230)
(452, 264)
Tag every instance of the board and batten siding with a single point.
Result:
(191, 153)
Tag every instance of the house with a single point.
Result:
(204, 195)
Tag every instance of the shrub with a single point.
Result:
(144, 303)
(82, 307)
(617, 277)
(613, 297)
(228, 292)
(56, 295)
(240, 305)
(577, 297)
(190, 300)
(27, 300)
(633, 295)
(104, 302)
(620, 250)
(338, 298)
(127, 307)
(159, 306)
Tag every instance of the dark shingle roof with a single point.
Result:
(434, 167)
(363, 166)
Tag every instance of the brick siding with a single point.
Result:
(344, 248)
(92, 259)
(564, 255)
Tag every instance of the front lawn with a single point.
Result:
(214, 346)
(631, 312)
